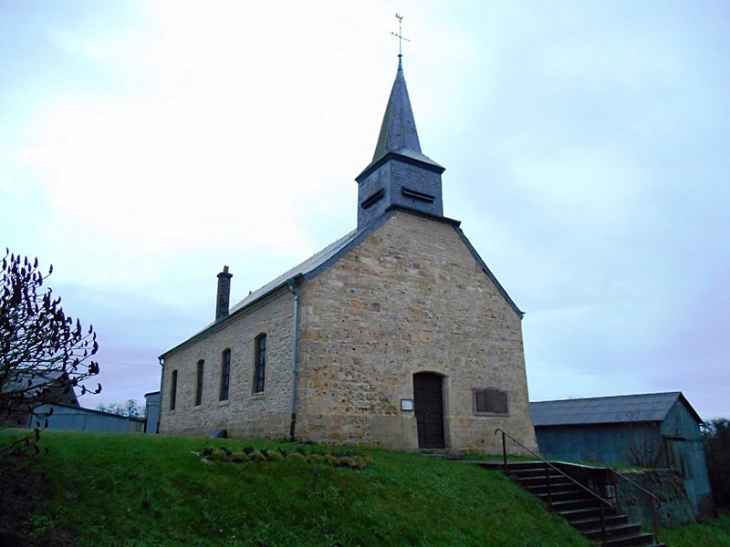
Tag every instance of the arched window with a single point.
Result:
(173, 390)
(199, 383)
(259, 378)
(225, 374)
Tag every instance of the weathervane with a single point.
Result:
(399, 35)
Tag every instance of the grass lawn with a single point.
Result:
(135, 490)
(715, 533)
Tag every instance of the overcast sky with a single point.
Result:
(145, 144)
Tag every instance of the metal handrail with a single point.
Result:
(624, 477)
(548, 464)
(655, 502)
(603, 501)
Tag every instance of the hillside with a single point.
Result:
(143, 490)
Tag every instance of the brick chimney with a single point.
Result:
(224, 294)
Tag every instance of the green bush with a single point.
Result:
(275, 456)
(257, 456)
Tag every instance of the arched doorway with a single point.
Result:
(428, 401)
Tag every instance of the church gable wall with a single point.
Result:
(244, 413)
(410, 298)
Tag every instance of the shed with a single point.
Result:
(23, 392)
(656, 430)
(76, 418)
(152, 412)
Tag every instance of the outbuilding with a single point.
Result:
(656, 430)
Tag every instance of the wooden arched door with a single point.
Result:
(428, 400)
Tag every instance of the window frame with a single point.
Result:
(260, 362)
(225, 385)
(173, 389)
(199, 377)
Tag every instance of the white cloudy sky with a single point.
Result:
(145, 144)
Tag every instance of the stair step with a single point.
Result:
(632, 541)
(554, 486)
(582, 514)
(538, 482)
(572, 504)
(579, 507)
(560, 491)
(613, 532)
(555, 497)
(535, 473)
(587, 524)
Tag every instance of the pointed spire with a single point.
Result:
(398, 131)
(399, 175)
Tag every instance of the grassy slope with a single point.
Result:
(715, 533)
(144, 490)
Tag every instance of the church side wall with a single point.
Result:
(410, 298)
(245, 413)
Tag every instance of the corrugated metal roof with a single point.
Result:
(54, 381)
(651, 407)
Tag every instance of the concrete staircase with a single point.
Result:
(594, 518)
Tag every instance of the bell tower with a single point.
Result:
(399, 175)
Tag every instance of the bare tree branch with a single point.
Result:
(44, 354)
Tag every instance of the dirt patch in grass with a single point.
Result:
(21, 487)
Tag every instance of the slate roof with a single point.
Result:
(651, 407)
(398, 134)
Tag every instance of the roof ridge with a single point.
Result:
(613, 409)
(608, 397)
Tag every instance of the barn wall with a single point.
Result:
(684, 440)
(675, 443)
(82, 419)
(608, 444)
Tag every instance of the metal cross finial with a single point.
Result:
(399, 35)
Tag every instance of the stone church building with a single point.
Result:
(396, 335)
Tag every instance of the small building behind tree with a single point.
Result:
(23, 393)
(61, 417)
